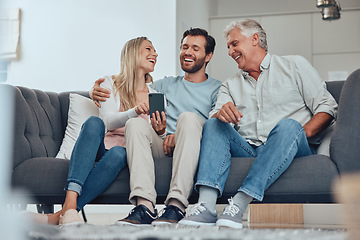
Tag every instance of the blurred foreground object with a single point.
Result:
(347, 192)
(11, 227)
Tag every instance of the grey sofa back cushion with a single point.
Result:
(38, 127)
(335, 87)
(345, 141)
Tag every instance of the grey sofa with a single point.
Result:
(41, 119)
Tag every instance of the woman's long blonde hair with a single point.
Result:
(124, 82)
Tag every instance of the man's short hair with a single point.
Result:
(210, 41)
(248, 27)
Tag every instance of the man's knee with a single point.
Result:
(189, 122)
(134, 124)
(213, 123)
(136, 128)
(287, 125)
(187, 117)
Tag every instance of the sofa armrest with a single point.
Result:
(345, 141)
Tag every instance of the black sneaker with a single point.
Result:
(138, 215)
(171, 214)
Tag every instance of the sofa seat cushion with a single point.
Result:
(308, 179)
(119, 190)
(45, 179)
(42, 176)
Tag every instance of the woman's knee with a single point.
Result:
(116, 157)
(93, 125)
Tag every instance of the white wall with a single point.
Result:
(190, 13)
(68, 44)
(293, 29)
(250, 7)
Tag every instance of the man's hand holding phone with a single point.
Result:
(157, 114)
(158, 122)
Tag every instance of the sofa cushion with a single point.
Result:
(324, 147)
(80, 109)
(42, 176)
(335, 87)
(344, 146)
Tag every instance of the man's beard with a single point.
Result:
(198, 65)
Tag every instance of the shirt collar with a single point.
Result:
(264, 65)
(265, 62)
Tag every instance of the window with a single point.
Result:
(9, 33)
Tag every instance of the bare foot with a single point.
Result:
(36, 217)
(53, 219)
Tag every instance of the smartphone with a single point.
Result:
(156, 103)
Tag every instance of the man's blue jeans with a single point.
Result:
(92, 167)
(221, 141)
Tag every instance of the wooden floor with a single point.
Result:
(276, 213)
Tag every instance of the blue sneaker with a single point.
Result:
(139, 215)
(171, 214)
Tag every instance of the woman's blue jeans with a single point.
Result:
(92, 167)
(221, 141)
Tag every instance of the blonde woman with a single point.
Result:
(99, 154)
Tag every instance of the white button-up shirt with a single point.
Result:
(288, 87)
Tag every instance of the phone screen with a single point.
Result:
(156, 103)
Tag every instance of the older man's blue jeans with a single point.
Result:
(92, 167)
(221, 141)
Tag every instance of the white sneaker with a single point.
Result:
(70, 217)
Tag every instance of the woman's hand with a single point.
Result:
(142, 108)
(158, 123)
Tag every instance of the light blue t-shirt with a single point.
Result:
(184, 96)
